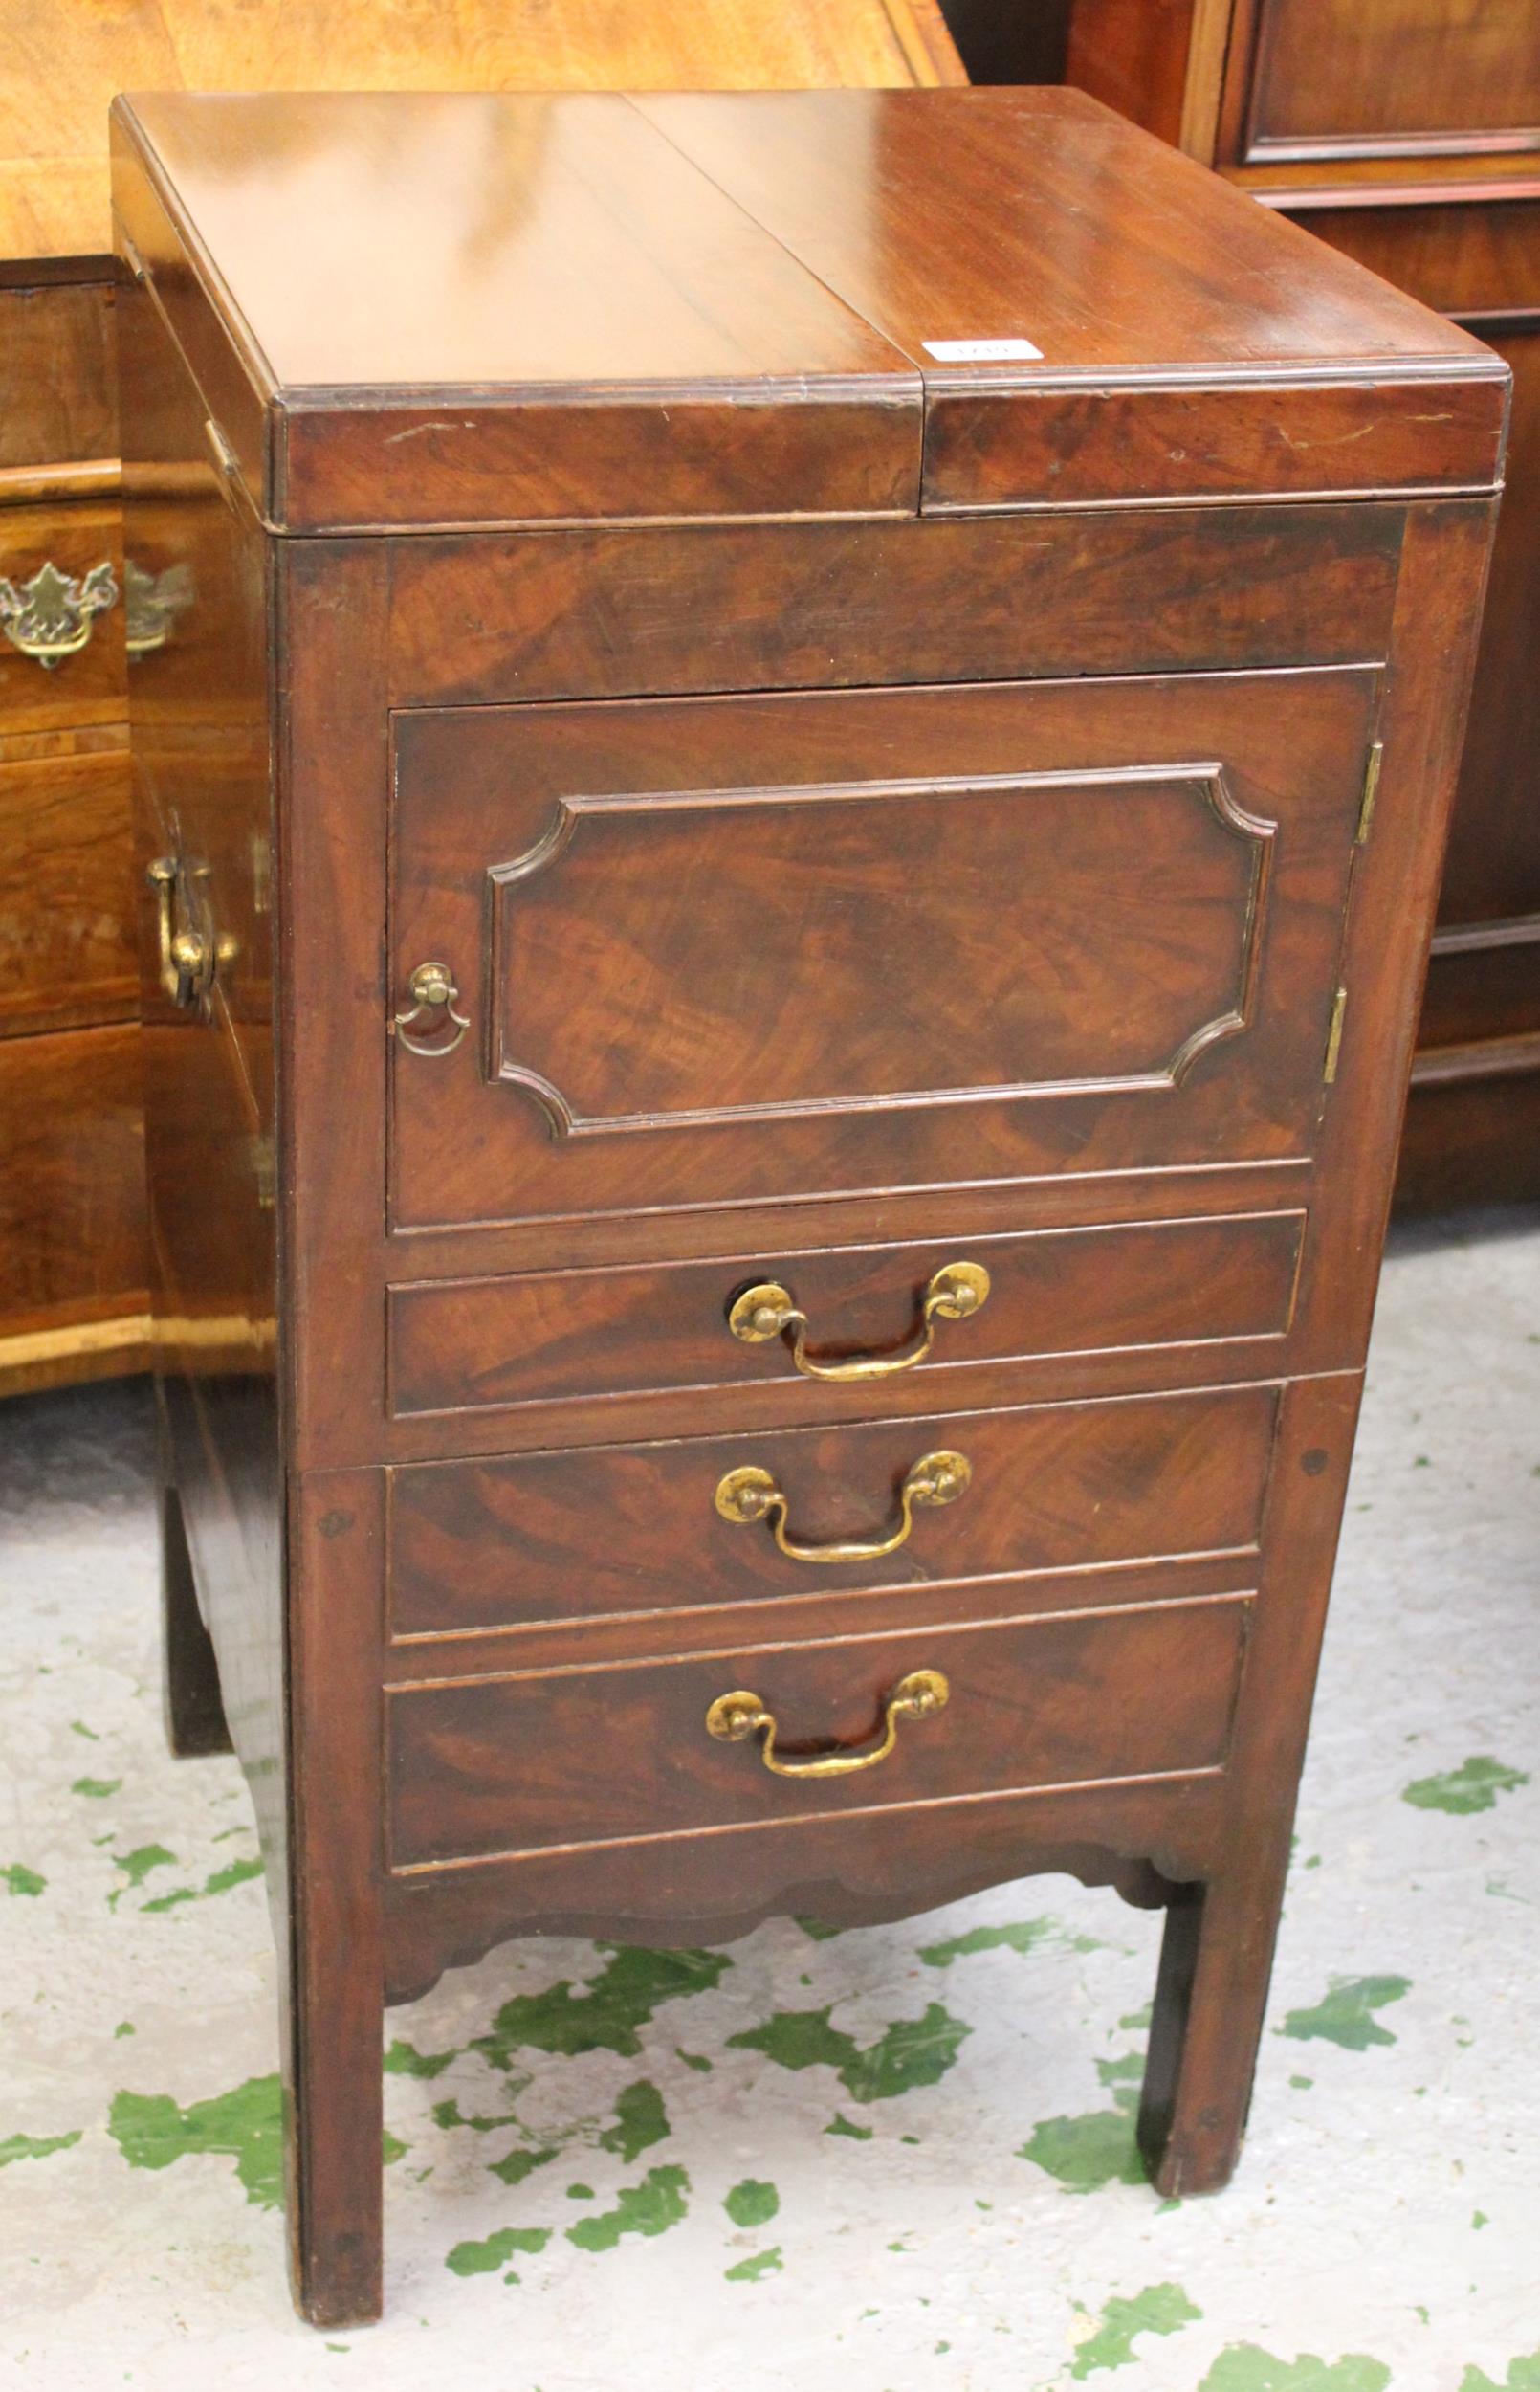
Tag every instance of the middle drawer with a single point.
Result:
(608, 1532)
(562, 1337)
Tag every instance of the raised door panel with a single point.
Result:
(717, 952)
(1336, 78)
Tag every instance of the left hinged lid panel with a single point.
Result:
(513, 308)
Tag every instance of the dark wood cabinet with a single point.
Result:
(1407, 134)
(783, 899)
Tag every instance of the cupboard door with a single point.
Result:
(1334, 78)
(719, 951)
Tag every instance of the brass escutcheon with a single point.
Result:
(732, 1718)
(749, 1494)
(957, 1291)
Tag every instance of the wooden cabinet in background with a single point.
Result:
(1407, 134)
(72, 1267)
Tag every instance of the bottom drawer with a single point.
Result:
(494, 1766)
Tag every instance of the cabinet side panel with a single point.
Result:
(198, 704)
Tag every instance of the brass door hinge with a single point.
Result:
(1365, 809)
(1334, 1036)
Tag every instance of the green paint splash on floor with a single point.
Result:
(234, 1873)
(135, 1867)
(404, 2059)
(760, 2263)
(1475, 1785)
(486, 2258)
(17, 1878)
(35, 2146)
(816, 1928)
(1523, 2376)
(1244, 2368)
(912, 2051)
(650, 2207)
(602, 2015)
(1160, 2308)
(515, 2165)
(1022, 1934)
(1087, 2152)
(151, 2132)
(1344, 2015)
(449, 2114)
(695, 2060)
(96, 1789)
(751, 2203)
(840, 2124)
(392, 2149)
(640, 2121)
(1098, 2147)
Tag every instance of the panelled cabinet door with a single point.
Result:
(1334, 79)
(709, 952)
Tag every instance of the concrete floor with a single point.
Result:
(889, 2159)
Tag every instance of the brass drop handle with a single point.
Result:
(749, 1495)
(434, 995)
(767, 1311)
(50, 617)
(732, 1718)
(187, 955)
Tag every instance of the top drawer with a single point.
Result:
(720, 951)
(57, 389)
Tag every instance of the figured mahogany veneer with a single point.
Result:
(1123, 956)
(617, 1530)
(910, 816)
(540, 1339)
(616, 1755)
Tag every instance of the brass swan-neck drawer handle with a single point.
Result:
(732, 1718)
(435, 997)
(768, 1311)
(50, 617)
(189, 952)
(749, 1495)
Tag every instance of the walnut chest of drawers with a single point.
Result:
(783, 902)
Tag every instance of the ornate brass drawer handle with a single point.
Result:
(49, 618)
(189, 953)
(732, 1718)
(748, 1495)
(767, 1311)
(434, 995)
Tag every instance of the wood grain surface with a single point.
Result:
(787, 934)
(624, 1529)
(66, 62)
(548, 1337)
(508, 1764)
(1156, 992)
